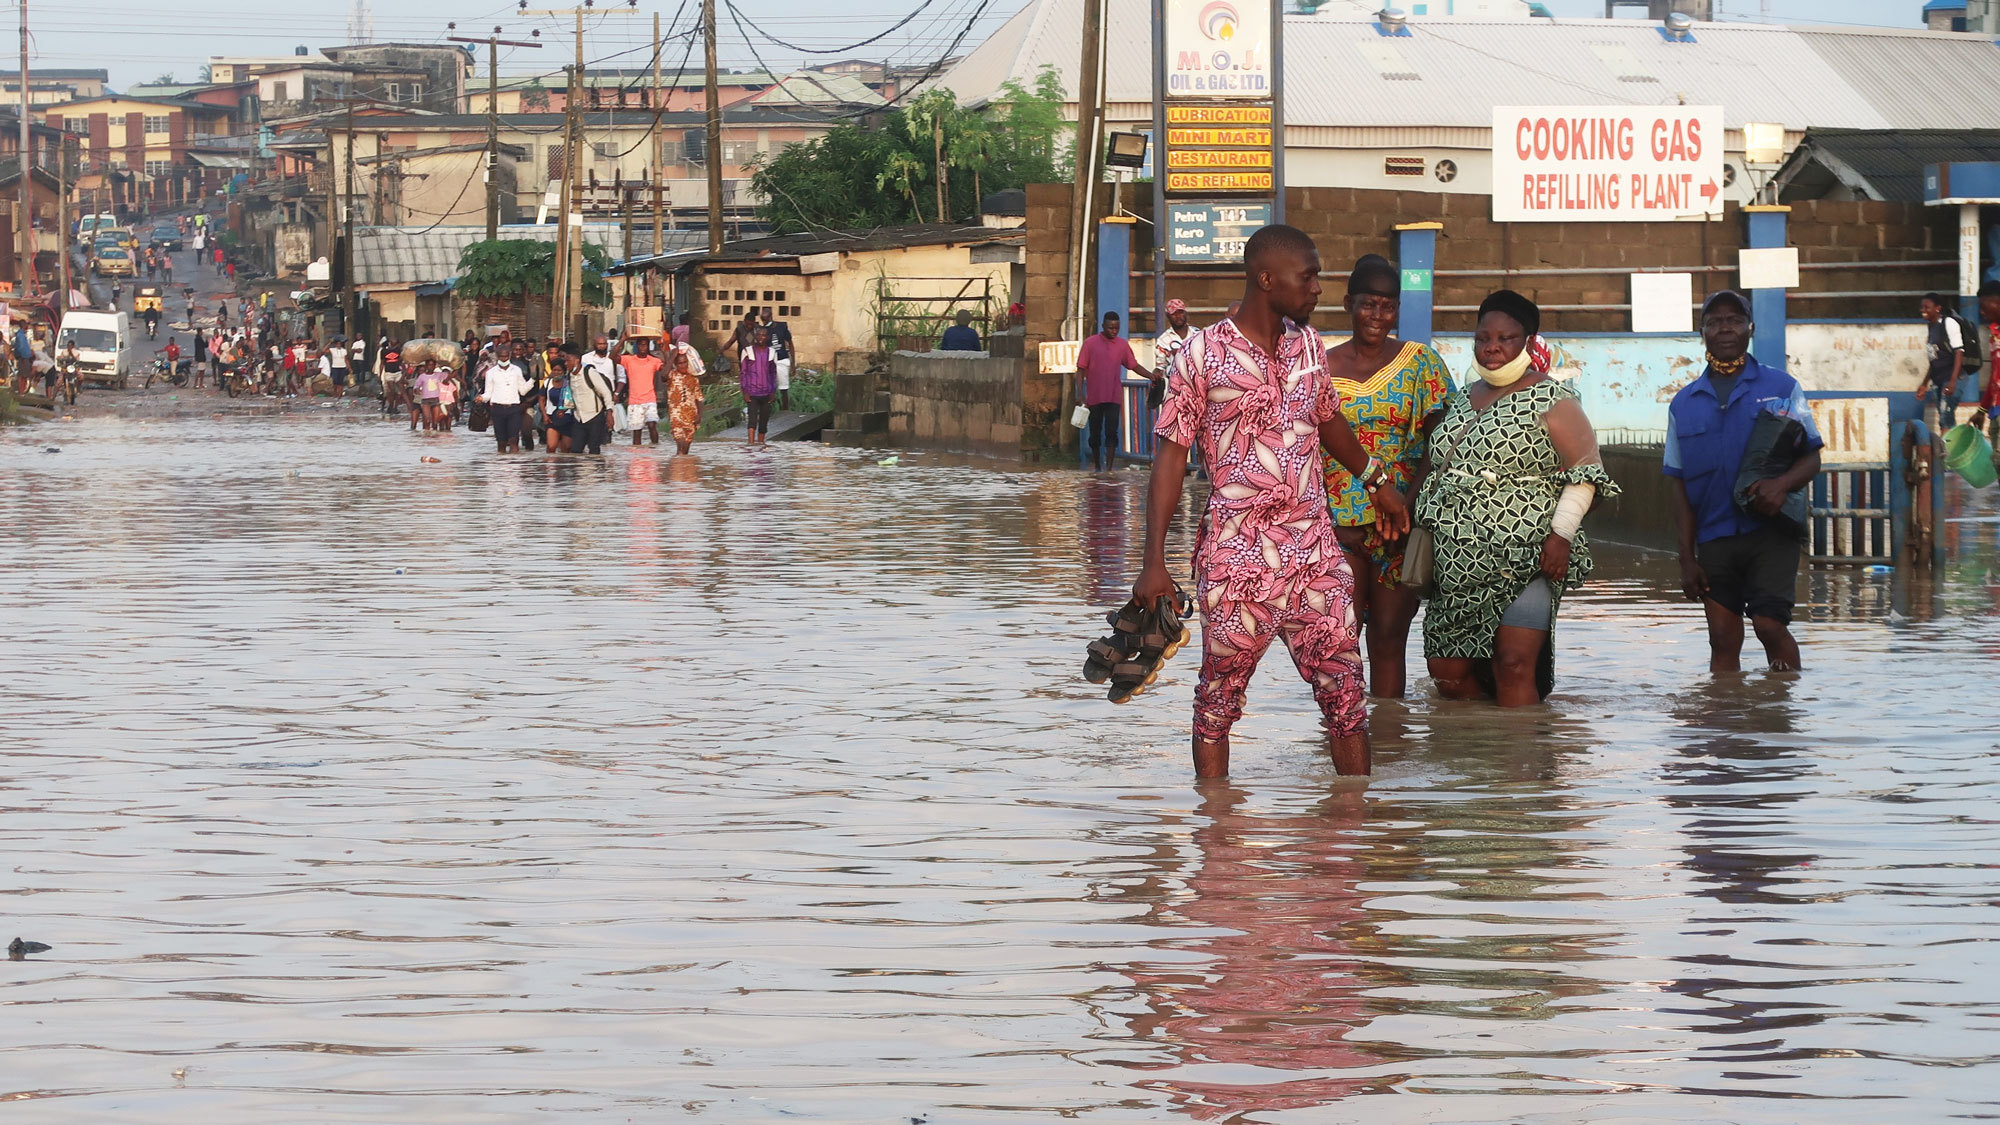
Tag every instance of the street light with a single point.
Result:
(1128, 150)
(1763, 152)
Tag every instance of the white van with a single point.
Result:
(88, 226)
(103, 345)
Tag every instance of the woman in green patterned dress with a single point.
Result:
(1514, 468)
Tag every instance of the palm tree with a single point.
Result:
(902, 171)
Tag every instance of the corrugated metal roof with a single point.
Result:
(1880, 165)
(1338, 70)
(426, 255)
(1916, 79)
(807, 88)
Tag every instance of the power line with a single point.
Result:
(891, 30)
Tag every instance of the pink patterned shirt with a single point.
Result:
(1255, 420)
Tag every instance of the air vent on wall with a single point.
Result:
(1405, 166)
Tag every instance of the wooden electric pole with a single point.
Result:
(569, 228)
(62, 225)
(25, 277)
(347, 232)
(493, 43)
(659, 147)
(714, 145)
(1089, 165)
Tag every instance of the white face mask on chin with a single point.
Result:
(1505, 375)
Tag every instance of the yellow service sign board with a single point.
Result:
(1219, 181)
(1219, 138)
(1218, 158)
(1218, 115)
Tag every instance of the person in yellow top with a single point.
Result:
(1393, 394)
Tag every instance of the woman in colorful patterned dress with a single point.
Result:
(1393, 394)
(684, 371)
(1514, 467)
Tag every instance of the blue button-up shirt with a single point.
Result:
(1706, 440)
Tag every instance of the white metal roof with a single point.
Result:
(1341, 72)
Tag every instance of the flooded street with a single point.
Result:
(761, 785)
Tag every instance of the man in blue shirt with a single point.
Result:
(1734, 560)
(961, 337)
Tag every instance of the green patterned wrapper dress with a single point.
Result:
(1489, 509)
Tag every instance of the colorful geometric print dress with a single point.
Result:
(1490, 507)
(1387, 413)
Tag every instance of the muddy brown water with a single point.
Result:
(760, 786)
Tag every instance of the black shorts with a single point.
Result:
(1755, 573)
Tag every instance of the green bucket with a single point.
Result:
(1967, 453)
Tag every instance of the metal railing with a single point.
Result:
(1849, 524)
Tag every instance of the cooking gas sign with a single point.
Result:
(1218, 48)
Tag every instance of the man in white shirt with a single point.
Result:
(505, 384)
(336, 365)
(591, 400)
(601, 359)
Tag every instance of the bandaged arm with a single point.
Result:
(1576, 443)
(1570, 509)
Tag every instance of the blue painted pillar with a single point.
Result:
(1416, 249)
(1767, 306)
(1114, 273)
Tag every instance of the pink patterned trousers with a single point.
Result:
(1313, 613)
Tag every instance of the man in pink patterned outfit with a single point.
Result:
(1253, 391)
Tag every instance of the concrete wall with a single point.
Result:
(1627, 381)
(836, 312)
(959, 401)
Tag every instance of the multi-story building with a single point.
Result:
(47, 87)
(145, 150)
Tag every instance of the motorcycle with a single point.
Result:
(168, 372)
(68, 380)
(152, 326)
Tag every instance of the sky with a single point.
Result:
(139, 41)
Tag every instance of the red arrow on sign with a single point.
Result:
(1708, 191)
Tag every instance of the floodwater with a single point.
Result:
(761, 786)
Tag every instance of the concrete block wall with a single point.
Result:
(1349, 222)
(962, 402)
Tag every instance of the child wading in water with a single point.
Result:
(1253, 393)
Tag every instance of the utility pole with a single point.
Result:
(569, 230)
(62, 225)
(714, 145)
(493, 43)
(659, 146)
(1089, 163)
(26, 229)
(347, 230)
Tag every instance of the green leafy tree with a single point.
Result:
(834, 181)
(509, 267)
(858, 177)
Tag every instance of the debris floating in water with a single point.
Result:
(889, 460)
(18, 949)
(430, 460)
(51, 449)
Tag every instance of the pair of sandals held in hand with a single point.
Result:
(1142, 640)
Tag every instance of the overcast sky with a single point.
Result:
(138, 41)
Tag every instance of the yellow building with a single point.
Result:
(849, 293)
